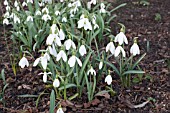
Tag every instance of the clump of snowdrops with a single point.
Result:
(70, 32)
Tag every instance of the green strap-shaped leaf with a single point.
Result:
(52, 102)
(67, 86)
(137, 62)
(121, 5)
(133, 72)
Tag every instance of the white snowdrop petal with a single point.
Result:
(117, 51)
(79, 62)
(60, 109)
(56, 83)
(36, 62)
(64, 56)
(45, 77)
(44, 62)
(108, 79)
(72, 61)
(100, 65)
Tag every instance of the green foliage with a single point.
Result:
(158, 17)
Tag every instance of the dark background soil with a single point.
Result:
(139, 21)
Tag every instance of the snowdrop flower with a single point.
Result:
(24, 4)
(92, 71)
(56, 83)
(52, 50)
(93, 2)
(43, 60)
(135, 49)
(64, 19)
(100, 65)
(72, 61)
(62, 55)
(82, 50)
(53, 38)
(108, 79)
(61, 0)
(53, 28)
(84, 22)
(45, 76)
(57, 13)
(38, 13)
(30, 1)
(60, 109)
(69, 43)
(61, 34)
(47, 1)
(16, 4)
(6, 21)
(5, 2)
(7, 15)
(102, 6)
(118, 50)
(45, 10)
(23, 62)
(16, 19)
(29, 18)
(120, 38)
(110, 47)
(46, 17)
(41, 4)
(8, 8)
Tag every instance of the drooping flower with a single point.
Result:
(69, 43)
(46, 17)
(118, 50)
(16, 4)
(43, 60)
(57, 13)
(56, 83)
(6, 21)
(102, 8)
(91, 71)
(23, 62)
(24, 4)
(52, 50)
(30, 1)
(135, 49)
(100, 64)
(45, 10)
(62, 55)
(30, 18)
(120, 38)
(72, 61)
(8, 8)
(82, 50)
(38, 12)
(16, 19)
(64, 19)
(61, 34)
(60, 109)
(108, 79)
(45, 76)
(53, 38)
(84, 23)
(5, 2)
(110, 47)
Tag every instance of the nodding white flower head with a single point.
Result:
(38, 12)
(47, 1)
(82, 50)
(46, 17)
(69, 43)
(64, 19)
(23, 62)
(16, 19)
(135, 49)
(43, 60)
(7, 15)
(62, 55)
(24, 4)
(60, 109)
(110, 47)
(91, 71)
(52, 50)
(16, 4)
(53, 29)
(18, 8)
(45, 76)
(41, 4)
(108, 79)
(102, 8)
(30, 1)
(57, 13)
(53, 38)
(61, 0)
(61, 34)
(101, 65)
(118, 50)
(72, 61)
(8, 8)
(56, 83)
(84, 22)
(120, 38)
(45, 10)
(6, 21)
(5, 2)
(30, 18)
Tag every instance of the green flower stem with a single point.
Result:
(129, 75)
